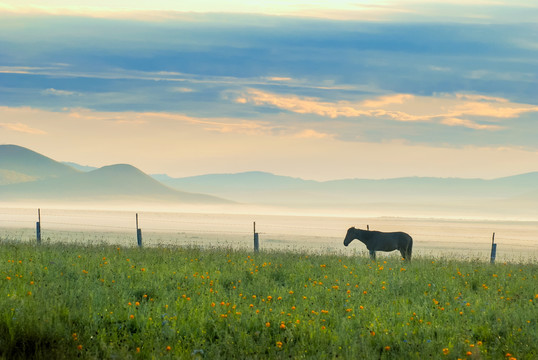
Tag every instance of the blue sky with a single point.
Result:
(319, 90)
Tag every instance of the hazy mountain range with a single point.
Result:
(513, 197)
(26, 175)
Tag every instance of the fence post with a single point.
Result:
(256, 239)
(493, 249)
(38, 227)
(138, 233)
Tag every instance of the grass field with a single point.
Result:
(106, 302)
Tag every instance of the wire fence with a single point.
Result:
(322, 234)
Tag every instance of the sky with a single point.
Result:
(312, 89)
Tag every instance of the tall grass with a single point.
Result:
(104, 302)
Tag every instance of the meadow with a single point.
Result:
(107, 302)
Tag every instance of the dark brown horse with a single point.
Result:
(382, 241)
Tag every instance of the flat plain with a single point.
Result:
(196, 289)
(105, 302)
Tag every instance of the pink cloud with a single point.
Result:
(468, 124)
(23, 128)
(450, 110)
(302, 105)
(386, 100)
(495, 109)
(474, 97)
(311, 134)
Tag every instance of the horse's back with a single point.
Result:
(400, 235)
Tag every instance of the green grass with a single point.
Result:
(103, 302)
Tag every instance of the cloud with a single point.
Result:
(56, 92)
(386, 100)
(184, 144)
(278, 78)
(21, 69)
(468, 124)
(389, 10)
(495, 109)
(222, 125)
(439, 68)
(446, 109)
(312, 134)
(301, 105)
(183, 90)
(475, 97)
(22, 128)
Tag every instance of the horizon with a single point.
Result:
(314, 91)
(30, 179)
(88, 167)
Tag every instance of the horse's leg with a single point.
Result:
(406, 253)
(372, 254)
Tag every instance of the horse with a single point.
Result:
(382, 241)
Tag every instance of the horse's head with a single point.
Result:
(349, 236)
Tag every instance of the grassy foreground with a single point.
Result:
(103, 302)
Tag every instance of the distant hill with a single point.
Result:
(27, 175)
(423, 194)
(12, 177)
(59, 182)
(246, 181)
(79, 167)
(24, 161)
(253, 187)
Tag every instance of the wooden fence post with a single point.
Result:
(256, 239)
(38, 227)
(493, 249)
(138, 233)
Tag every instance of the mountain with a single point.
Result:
(246, 181)
(59, 182)
(410, 188)
(79, 167)
(419, 193)
(25, 174)
(253, 187)
(24, 161)
(523, 181)
(12, 177)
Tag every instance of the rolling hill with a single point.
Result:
(27, 175)
(31, 164)
(514, 195)
(269, 188)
